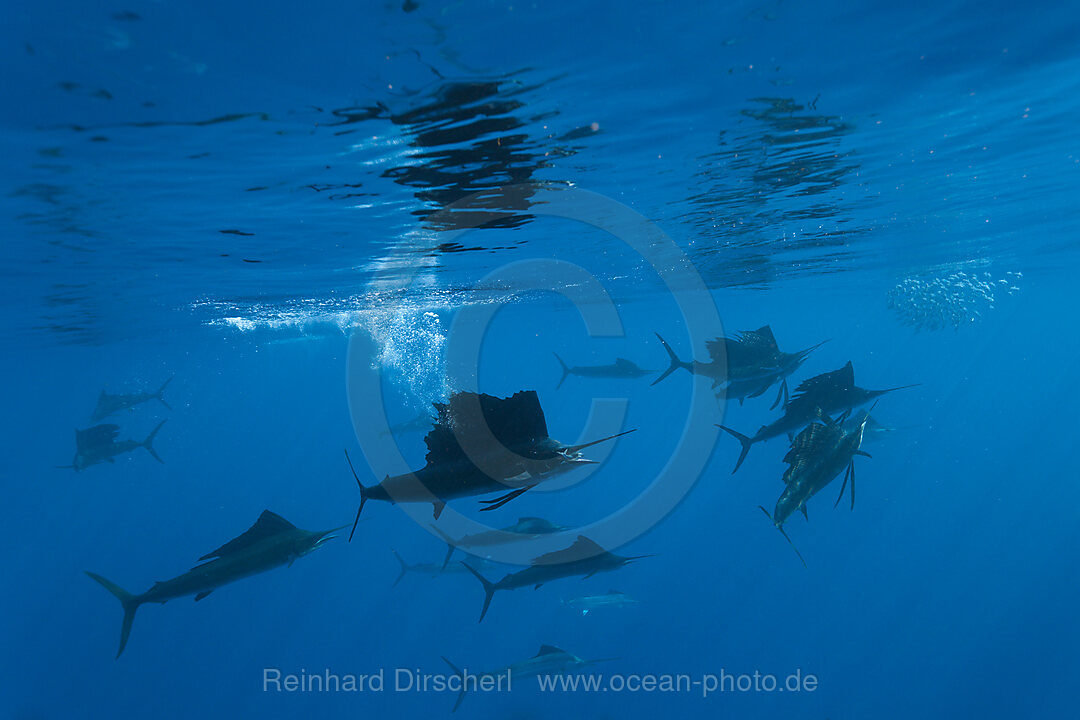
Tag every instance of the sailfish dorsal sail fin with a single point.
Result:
(475, 420)
(97, 435)
(821, 390)
(751, 347)
(550, 650)
(268, 525)
(762, 337)
(582, 549)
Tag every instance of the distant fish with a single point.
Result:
(873, 431)
(272, 541)
(610, 599)
(526, 528)
(110, 404)
(432, 569)
(584, 558)
(550, 660)
(99, 444)
(621, 368)
(422, 421)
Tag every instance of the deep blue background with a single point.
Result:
(943, 139)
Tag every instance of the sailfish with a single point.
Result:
(829, 392)
(584, 558)
(549, 660)
(270, 542)
(481, 444)
(99, 445)
(817, 456)
(109, 404)
(745, 365)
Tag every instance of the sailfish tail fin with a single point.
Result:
(451, 546)
(160, 394)
(746, 442)
(676, 363)
(363, 497)
(129, 602)
(489, 589)
(148, 443)
(404, 567)
(565, 370)
(464, 685)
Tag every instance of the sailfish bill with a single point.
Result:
(572, 449)
(783, 532)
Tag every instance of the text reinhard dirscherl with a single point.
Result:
(409, 680)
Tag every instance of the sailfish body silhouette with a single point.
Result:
(482, 444)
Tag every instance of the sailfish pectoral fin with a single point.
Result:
(498, 502)
(852, 485)
(781, 393)
(847, 474)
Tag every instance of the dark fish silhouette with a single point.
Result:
(110, 404)
(526, 528)
(621, 368)
(433, 569)
(831, 392)
(550, 660)
(480, 445)
(747, 364)
(99, 444)
(584, 557)
(816, 457)
(416, 424)
(270, 542)
(873, 431)
(610, 599)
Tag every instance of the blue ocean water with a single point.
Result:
(318, 219)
